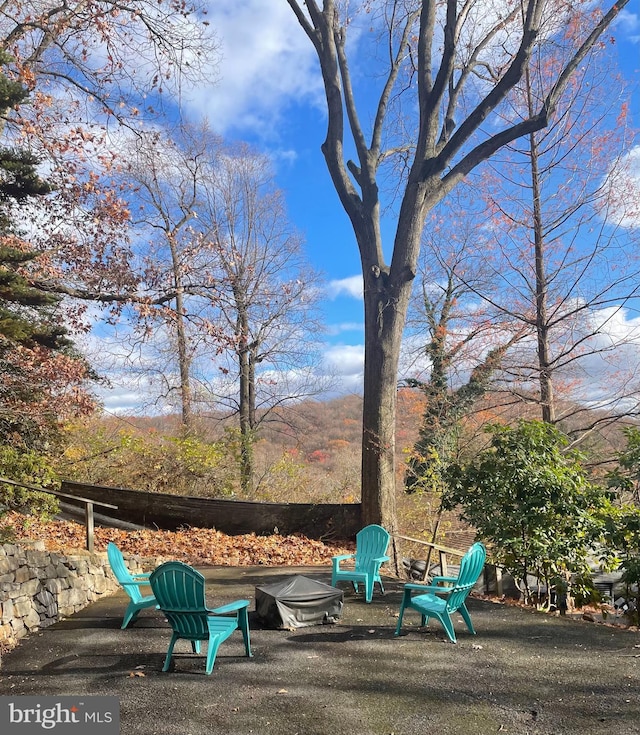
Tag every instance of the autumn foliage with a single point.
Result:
(195, 546)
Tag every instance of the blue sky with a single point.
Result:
(269, 93)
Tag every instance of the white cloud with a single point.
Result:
(615, 326)
(141, 375)
(352, 286)
(345, 360)
(344, 368)
(629, 24)
(124, 401)
(605, 372)
(602, 367)
(625, 185)
(267, 61)
(137, 382)
(335, 329)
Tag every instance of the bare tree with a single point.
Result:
(564, 265)
(460, 339)
(106, 51)
(93, 66)
(224, 276)
(460, 65)
(264, 292)
(168, 178)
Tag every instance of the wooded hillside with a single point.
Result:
(311, 454)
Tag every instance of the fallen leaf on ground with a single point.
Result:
(192, 545)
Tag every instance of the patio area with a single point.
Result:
(524, 672)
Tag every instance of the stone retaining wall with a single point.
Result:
(38, 587)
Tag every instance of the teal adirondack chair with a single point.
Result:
(179, 590)
(371, 548)
(131, 584)
(442, 602)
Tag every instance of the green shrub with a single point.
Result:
(30, 468)
(531, 500)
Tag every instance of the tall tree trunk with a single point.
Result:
(184, 361)
(442, 153)
(246, 440)
(246, 408)
(387, 291)
(253, 359)
(542, 324)
(385, 307)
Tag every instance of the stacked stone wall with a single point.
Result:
(39, 587)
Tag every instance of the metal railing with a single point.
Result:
(88, 506)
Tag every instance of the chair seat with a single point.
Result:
(351, 575)
(428, 603)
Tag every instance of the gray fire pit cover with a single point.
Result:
(296, 602)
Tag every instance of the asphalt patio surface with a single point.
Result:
(524, 672)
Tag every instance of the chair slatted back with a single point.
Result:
(471, 566)
(122, 573)
(371, 543)
(179, 590)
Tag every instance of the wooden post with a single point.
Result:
(444, 569)
(88, 515)
(434, 536)
(88, 511)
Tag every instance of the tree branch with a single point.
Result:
(487, 148)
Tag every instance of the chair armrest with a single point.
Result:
(426, 588)
(142, 575)
(137, 583)
(451, 580)
(381, 559)
(342, 557)
(231, 607)
(415, 586)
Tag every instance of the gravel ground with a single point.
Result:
(524, 672)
